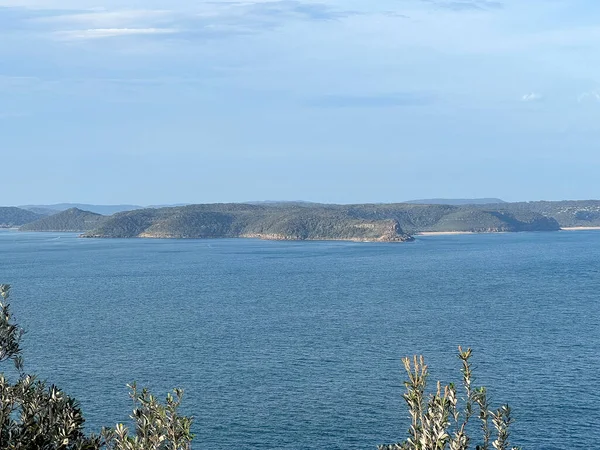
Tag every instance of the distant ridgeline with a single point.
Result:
(582, 213)
(72, 220)
(456, 201)
(11, 217)
(310, 221)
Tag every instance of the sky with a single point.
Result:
(340, 101)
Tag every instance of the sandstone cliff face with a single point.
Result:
(393, 233)
(376, 233)
(319, 228)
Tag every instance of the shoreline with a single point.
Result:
(451, 233)
(257, 237)
(281, 238)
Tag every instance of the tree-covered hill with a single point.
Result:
(71, 220)
(369, 222)
(312, 221)
(11, 217)
(415, 218)
(576, 213)
(304, 220)
(241, 220)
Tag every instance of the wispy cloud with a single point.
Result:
(591, 96)
(98, 33)
(296, 9)
(397, 99)
(205, 19)
(532, 97)
(102, 18)
(466, 5)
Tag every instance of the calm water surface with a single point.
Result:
(283, 345)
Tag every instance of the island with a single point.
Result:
(304, 221)
(364, 222)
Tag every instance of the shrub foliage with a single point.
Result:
(35, 415)
(438, 422)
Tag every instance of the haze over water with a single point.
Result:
(286, 345)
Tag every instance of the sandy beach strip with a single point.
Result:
(579, 228)
(443, 233)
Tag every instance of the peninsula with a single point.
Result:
(397, 222)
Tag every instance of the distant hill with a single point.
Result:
(170, 205)
(14, 217)
(457, 201)
(250, 221)
(570, 213)
(365, 222)
(41, 211)
(71, 220)
(105, 210)
(283, 203)
(415, 218)
(308, 221)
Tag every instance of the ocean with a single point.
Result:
(298, 345)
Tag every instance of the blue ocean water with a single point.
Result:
(287, 345)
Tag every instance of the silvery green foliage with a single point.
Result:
(157, 426)
(10, 333)
(32, 414)
(36, 416)
(438, 422)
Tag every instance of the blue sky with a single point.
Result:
(156, 101)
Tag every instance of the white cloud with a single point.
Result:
(532, 97)
(591, 96)
(98, 33)
(107, 19)
(203, 19)
(91, 4)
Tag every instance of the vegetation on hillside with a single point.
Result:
(71, 220)
(393, 222)
(312, 221)
(241, 220)
(581, 213)
(425, 218)
(14, 217)
(457, 201)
